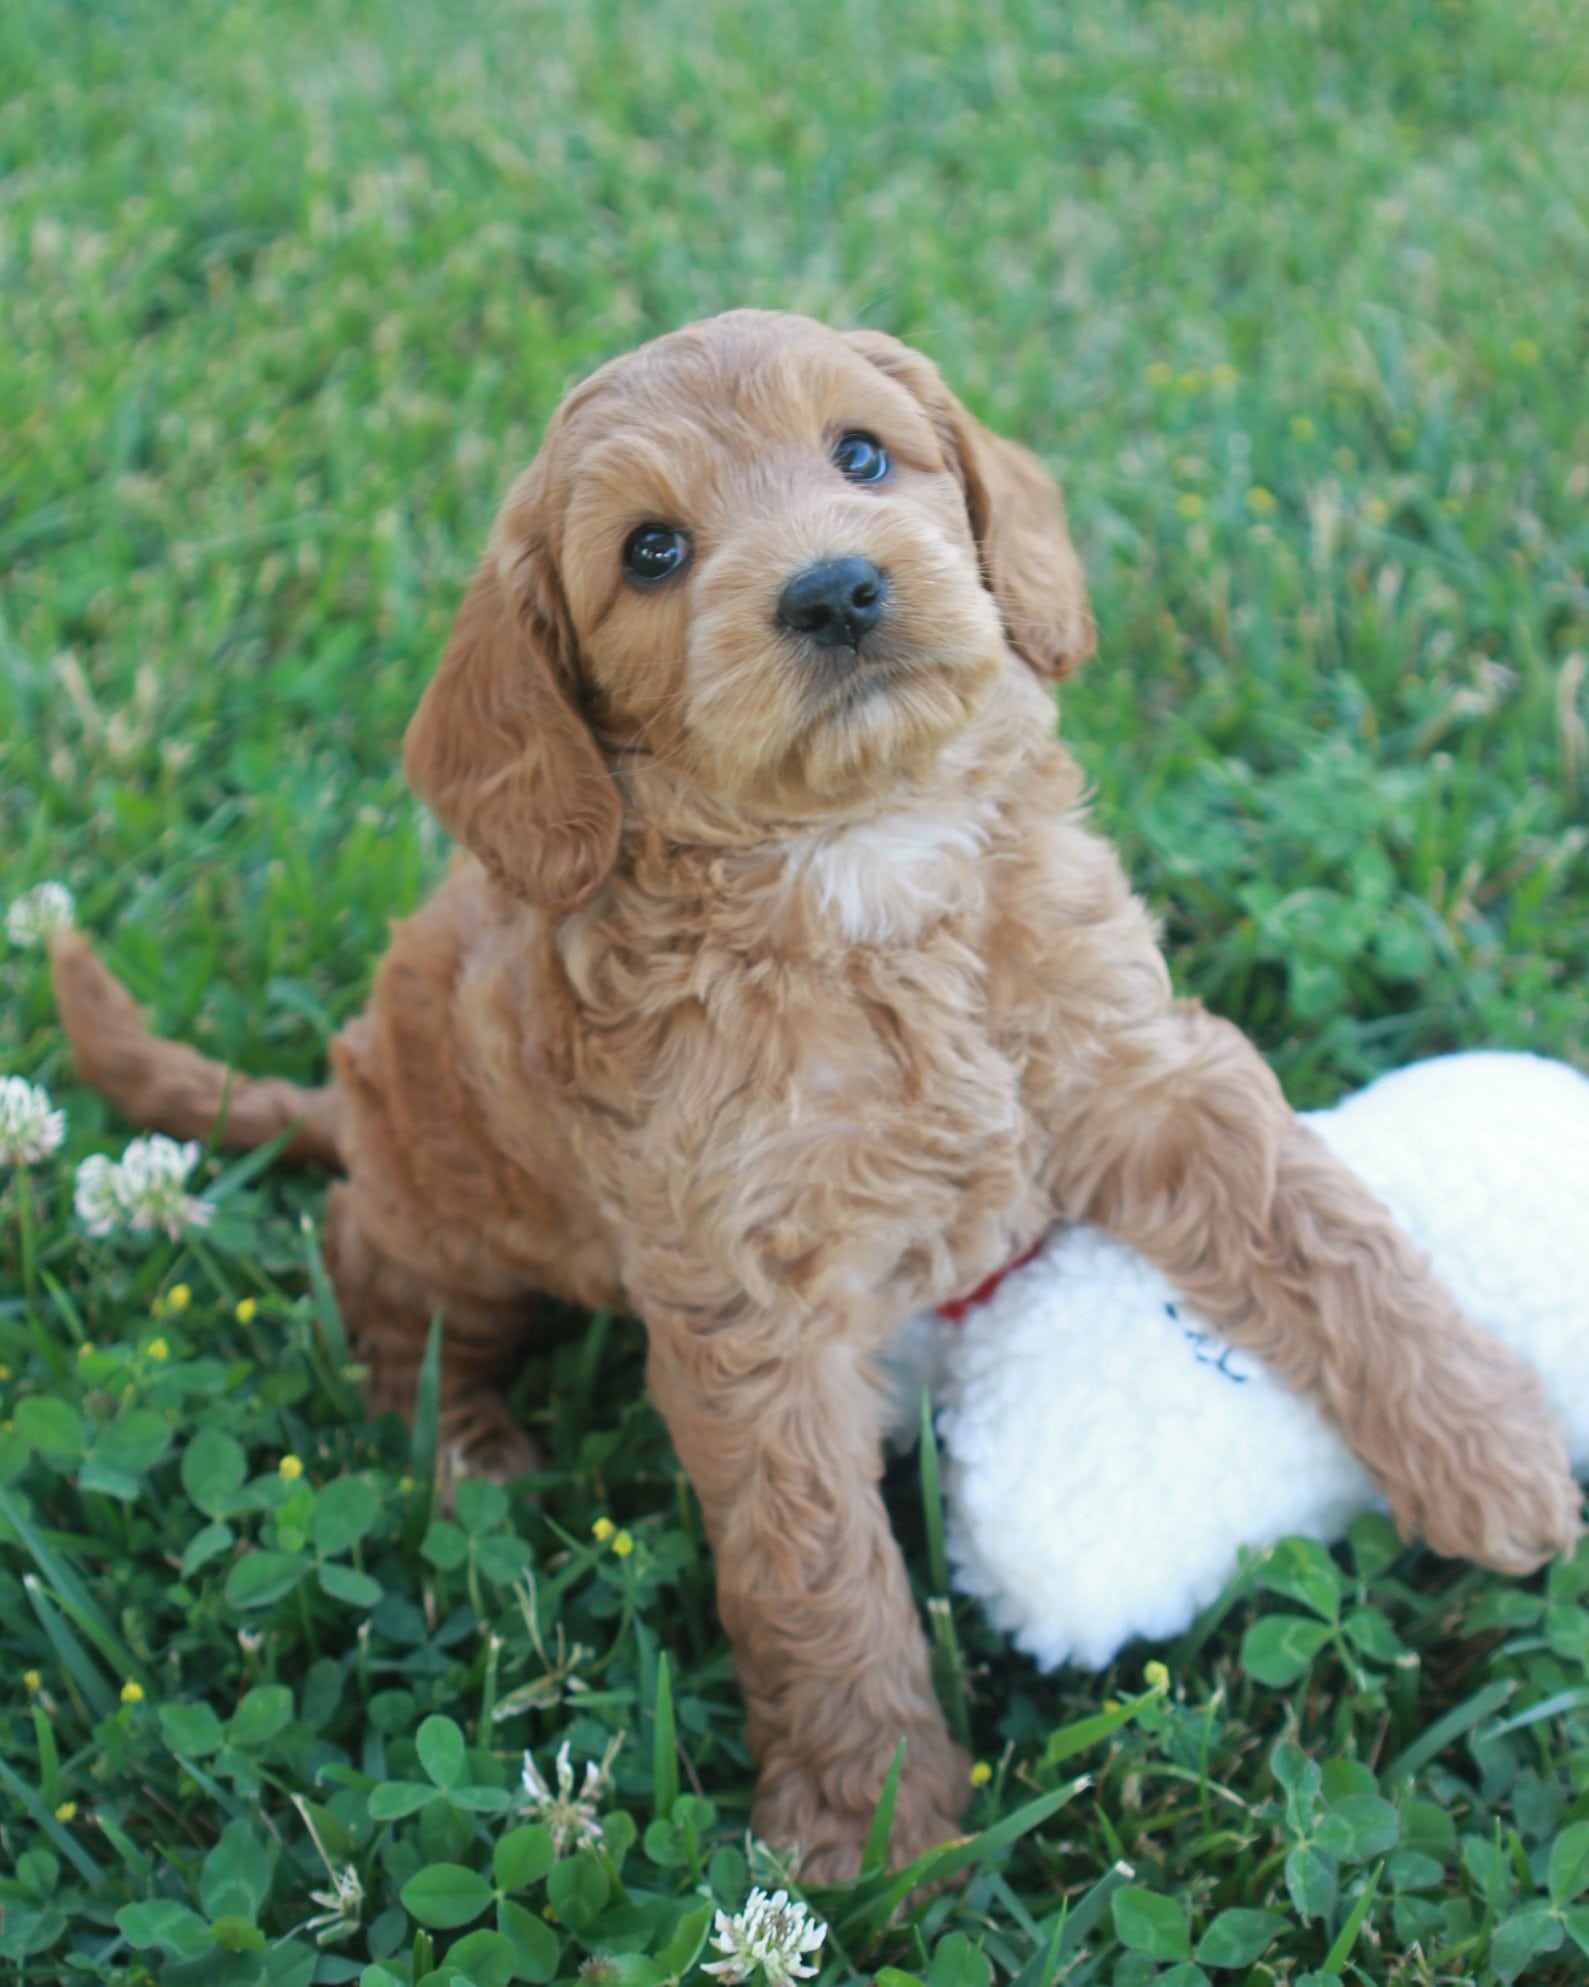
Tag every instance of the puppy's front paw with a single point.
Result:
(828, 1821)
(835, 1857)
(1488, 1478)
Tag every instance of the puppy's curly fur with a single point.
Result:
(785, 991)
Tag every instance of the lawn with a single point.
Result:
(1293, 298)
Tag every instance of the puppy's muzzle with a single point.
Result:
(835, 604)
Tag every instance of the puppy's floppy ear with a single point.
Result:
(1017, 518)
(498, 748)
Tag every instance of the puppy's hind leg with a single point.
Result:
(387, 1309)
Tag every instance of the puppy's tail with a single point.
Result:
(170, 1087)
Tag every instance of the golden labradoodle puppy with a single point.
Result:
(785, 990)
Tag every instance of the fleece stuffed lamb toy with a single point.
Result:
(1106, 1454)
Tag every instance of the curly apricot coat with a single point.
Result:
(784, 991)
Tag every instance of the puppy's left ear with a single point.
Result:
(1017, 517)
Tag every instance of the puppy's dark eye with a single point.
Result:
(654, 552)
(861, 457)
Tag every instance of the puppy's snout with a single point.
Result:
(835, 604)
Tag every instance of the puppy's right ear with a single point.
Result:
(498, 748)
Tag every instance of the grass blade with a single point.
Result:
(112, 1650)
(1042, 1969)
(129, 1852)
(1555, 1706)
(951, 1668)
(65, 1309)
(75, 1659)
(1470, 1712)
(327, 1310)
(1080, 1919)
(932, 1500)
(255, 1161)
(427, 1407)
(69, 1591)
(592, 1351)
(948, 1664)
(1072, 1739)
(664, 1745)
(49, 1759)
(869, 1907)
(63, 1839)
(233, 1809)
(1335, 1959)
(425, 1441)
(874, 1855)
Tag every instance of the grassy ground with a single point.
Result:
(1293, 299)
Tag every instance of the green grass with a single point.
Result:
(1293, 299)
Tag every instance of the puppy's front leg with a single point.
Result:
(780, 1435)
(1180, 1143)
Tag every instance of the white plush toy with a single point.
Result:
(1105, 1453)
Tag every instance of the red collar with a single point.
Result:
(957, 1307)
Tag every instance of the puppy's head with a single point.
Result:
(782, 559)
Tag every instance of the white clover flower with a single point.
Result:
(29, 1129)
(342, 1907)
(574, 1821)
(771, 1868)
(146, 1188)
(772, 1934)
(97, 1194)
(50, 907)
(154, 1176)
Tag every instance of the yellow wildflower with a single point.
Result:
(405, 1484)
(1376, 511)
(1525, 351)
(1159, 374)
(246, 1307)
(1345, 461)
(178, 1297)
(1193, 380)
(290, 1468)
(158, 1308)
(1189, 504)
(5, 1371)
(84, 1350)
(602, 1530)
(67, 1811)
(1155, 1676)
(1302, 428)
(131, 1693)
(34, 1680)
(981, 1773)
(158, 1349)
(623, 1545)
(1225, 376)
(1261, 502)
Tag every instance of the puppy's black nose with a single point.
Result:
(835, 604)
